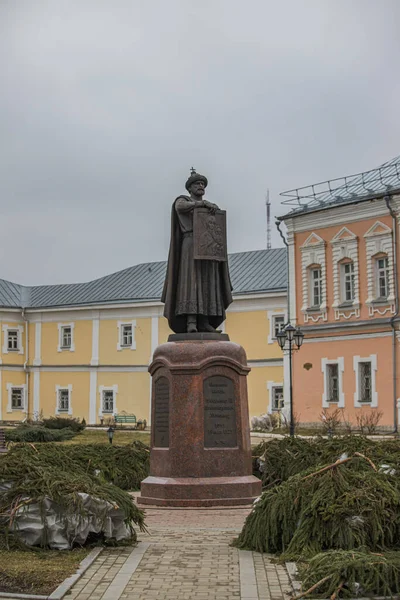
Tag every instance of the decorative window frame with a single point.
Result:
(120, 346)
(10, 387)
(271, 317)
(60, 347)
(64, 387)
(103, 388)
(313, 253)
(6, 328)
(379, 239)
(336, 361)
(342, 248)
(270, 387)
(372, 358)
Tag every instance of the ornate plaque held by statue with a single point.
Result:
(209, 235)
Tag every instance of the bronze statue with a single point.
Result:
(197, 291)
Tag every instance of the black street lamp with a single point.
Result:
(110, 433)
(290, 339)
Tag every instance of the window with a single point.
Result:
(365, 380)
(332, 371)
(278, 323)
(66, 337)
(365, 373)
(315, 287)
(63, 400)
(17, 398)
(348, 282)
(382, 278)
(333, 382)
(12, 340)
(126, 335)
(108, 401)
(277, 398)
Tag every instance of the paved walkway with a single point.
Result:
(186, 555)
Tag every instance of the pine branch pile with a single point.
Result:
(346, 505)
(37, 433)
(346, 574)
(280, 459)
(38, 473)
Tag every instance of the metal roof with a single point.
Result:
(385, 179)
(255, 271)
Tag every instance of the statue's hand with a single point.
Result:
(212, 207)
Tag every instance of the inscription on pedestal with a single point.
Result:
(219, 413)
(161, 413)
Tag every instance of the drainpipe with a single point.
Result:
(26, 361)
(396, 312)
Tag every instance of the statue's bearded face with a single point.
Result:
(197, 188)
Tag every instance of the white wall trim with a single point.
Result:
(271, 362)
(372, 358)
(270, 387)
(64, 387)
(378, 239)
(10, 386)
(92, 396)
(340, 215)
(36, 394)
(20, 329)
(119, 344)
(340, 338)
(345, 245)
(95, 341)
(313, 253)
(336, 361)
(37, 361)
(60, 328)
(103, 388)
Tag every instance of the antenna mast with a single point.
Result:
(268, 209)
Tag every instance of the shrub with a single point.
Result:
(32, 433)
(64, 423)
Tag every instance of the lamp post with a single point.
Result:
(290, 339)
(110, 433)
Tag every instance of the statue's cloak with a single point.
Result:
(178, 323)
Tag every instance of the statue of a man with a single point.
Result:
(196, 292)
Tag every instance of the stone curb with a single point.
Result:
(65, 586)
(291, 569)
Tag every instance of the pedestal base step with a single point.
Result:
(203, 491)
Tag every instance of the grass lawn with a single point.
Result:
(99, 436)
(37, 572)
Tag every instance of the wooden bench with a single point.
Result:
(123, 418)
(3, 447)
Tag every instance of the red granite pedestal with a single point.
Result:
(200, 437)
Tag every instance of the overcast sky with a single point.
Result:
(106, 104)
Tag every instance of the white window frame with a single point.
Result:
(60, 347)
(58, 389)
(104, 388)
(313, 255)
(10, 387)
(379, 240)
(20, 329)
(120, 345)
(271, 318)
(270, 387)
(325, 371)
(372, 358)
(345, 246)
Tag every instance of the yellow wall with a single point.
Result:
(163, 330)
(257, 388)
(31, 346)
(82, 337)
(79, 396)
(133, 394)
(108, 340)
(251, 330)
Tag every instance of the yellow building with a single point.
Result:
(84, 349)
